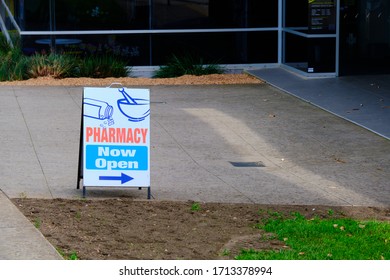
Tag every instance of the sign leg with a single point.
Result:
(80, 166)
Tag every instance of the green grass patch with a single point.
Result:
(324, 239)
(195, 207)
(71, 256)
(37, 223)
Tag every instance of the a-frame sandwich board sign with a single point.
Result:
(115, 138)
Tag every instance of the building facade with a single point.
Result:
(314, 37)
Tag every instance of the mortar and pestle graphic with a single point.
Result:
(136, 109)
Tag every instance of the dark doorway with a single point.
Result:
(364, 37)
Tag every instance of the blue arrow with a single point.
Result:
(123, 178)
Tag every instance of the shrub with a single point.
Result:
(186, 65)
(5, 47)
(13, 63)
(103, 66)
(17, 66)
(54, 65)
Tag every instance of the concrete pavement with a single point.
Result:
(302, 155)
(19, 239)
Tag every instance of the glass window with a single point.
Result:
(196, 14)
(46, 15)
(244, 14)
(322, 16)
(178, 14)
(36, 15)
(221, 48)
(322, 53)
(311, 16)
(154, 49)
(133, 48)
(102, 14)
(311, 55)
(4, 14)
(296, 51)
(297, 13)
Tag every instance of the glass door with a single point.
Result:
(364, 37)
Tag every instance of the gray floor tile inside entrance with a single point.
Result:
(364, 100)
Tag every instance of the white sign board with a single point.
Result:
(116, 137)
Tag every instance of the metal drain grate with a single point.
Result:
(247, 164)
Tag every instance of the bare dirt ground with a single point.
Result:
(124, 229)
(132, 229)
